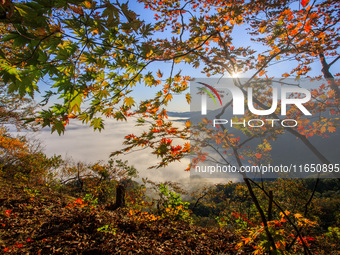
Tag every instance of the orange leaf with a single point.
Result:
(331, 129)
(168, 97)
(87, 4)
(262, 72)
(159, 74)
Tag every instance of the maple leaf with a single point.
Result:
(87, 4)
(258, 155)
(218, 140)
(297, 215)
(168, 97)
(129, 101)
(246, 240)
(308, 28)
(202, 157)
(331, 129)
(304, 2)
(188, 97)
(262, 72)
(159, 74)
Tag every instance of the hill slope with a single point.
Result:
(38, 220)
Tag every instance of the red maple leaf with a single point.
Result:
(304, 2)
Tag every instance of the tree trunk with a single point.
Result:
(328, 76)
(120, 195)
(120, 198)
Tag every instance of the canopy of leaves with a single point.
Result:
(89, 53)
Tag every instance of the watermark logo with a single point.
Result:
(211, 95)
(258, 128)
(239, 99)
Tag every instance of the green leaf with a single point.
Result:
(97, 123)
(76, 100)
(58, 126)
(10, 37)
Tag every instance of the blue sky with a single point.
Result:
(178, 104)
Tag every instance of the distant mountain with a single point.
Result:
(179, 114)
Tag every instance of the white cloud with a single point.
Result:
(83, 144)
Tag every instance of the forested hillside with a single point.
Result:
(89, 214)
